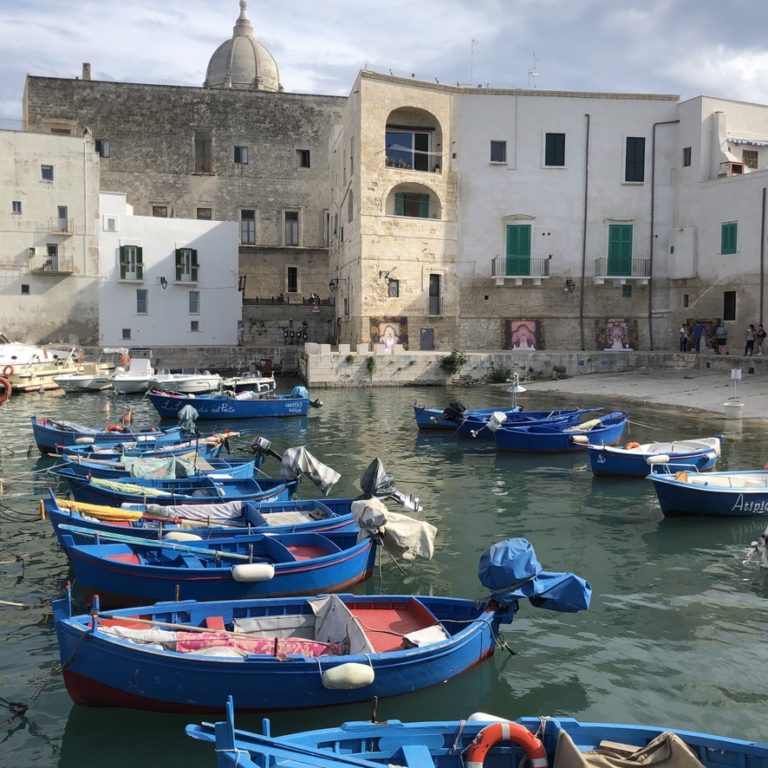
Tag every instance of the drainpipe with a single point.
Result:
(762, 256)
(584, 234)
(650, 247)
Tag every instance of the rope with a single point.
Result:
(18, 708)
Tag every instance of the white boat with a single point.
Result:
(30, 367)
(92, 377)
(250, 382)
(136, 379)
(189, 381)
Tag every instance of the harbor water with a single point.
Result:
(675, 635)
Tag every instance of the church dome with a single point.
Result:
(243, 62)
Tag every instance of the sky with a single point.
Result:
(682, 47)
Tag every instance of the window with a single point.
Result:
(126, 334)
(205, 214)
(498, 151)
(160, 211)
(554, 149)
(393, 288)
(686, 300)
(194, 326)
(16, 206)
(626, 291)
(749, 158)
(25, 289)
(302, 158)
(186, 265)
(52, 263)
(142, 301)
(248, 227)
(203, 152)
(686, 156)
(729, 305)
(408, 149)
(293, 280)
(102, 147)
(435, 299)
(61, 132)
(46, 172)
(728, 237)
(62, 221)
(634, 160)
(131, 262)
(412, 204)
(291, 227)
(194, 302)
(109, 223)
(241, 155)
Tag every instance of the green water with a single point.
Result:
(675, 635)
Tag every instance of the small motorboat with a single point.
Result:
(188, 381)
(91, 377)
(134, 379)
(249, 382)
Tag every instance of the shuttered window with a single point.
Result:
(186, 265)
(728, 237)
(131, 262)
(634, 165)
(412, 204)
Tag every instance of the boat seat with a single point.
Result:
(214, 622)
(417, 756)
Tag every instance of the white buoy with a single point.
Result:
(348, 676)
(580, 439)
(182, 536)
(246, 572)
(662, 458)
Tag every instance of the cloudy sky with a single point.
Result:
(683, 47)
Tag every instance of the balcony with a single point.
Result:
(55, 226)
(519, 269)
(622, 271)
(53, 267)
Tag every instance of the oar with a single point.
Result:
(154, 544)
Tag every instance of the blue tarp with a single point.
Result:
(511, 571)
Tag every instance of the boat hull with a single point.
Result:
(169, 405)
(558, 439)
(607, 461)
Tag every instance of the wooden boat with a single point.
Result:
(278, 653)
(714, 494)
(561, 438)
(189, 490)
(632, 460)
(51, 433)
(207, 447)
(242, 406)
(479, 741)
(128, 570)
(205, 521)
(479, 426)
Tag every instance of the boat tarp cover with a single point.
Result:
(226, 510)
(511, 571)
(403, 535)
(335, 624)
(299, 461)
(667, 750)
(170, 467)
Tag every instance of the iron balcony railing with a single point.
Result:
(435, 305)
(413, 160)
(605, 267)
(52, 266)
(516, 266)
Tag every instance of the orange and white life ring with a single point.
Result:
(505, 731)
(630, 446)
(115, 428)
(7, 389)
(7, 371)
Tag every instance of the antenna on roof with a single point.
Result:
(533, 73)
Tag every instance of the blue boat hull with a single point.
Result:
(554, 438)
(100, 673)
(104, 451)
(215, 407)
(120, 576)
(677, 498)
(241, 469)
(476, 426)
(608, 463)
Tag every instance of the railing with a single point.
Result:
(413, 160)
(435, 305)
(638, 268)
(516, 266)
(296, 301)
(52, 266)
(61, 226)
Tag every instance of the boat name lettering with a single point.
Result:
(752, 507)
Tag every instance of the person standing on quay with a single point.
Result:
(759, 338)
(697, 331)
(721, 335)
(683, 338)
(749, 348)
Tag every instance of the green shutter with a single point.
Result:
(424, 206)
(620, 250)
(518, 250)
(194, 265)
(179, 264)
(728, 237)
(123, 262)
(399, 203)
(139, 263)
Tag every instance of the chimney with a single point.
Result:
(86, 71)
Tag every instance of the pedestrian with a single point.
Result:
(749, 348)
(683, 338)
(759, 337)
(721, 334)
(698, 329)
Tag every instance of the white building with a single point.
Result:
(48, 242)
(166, 281)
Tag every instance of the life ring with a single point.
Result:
(505, 731)
(7, 371)
(7, 389)
(115, 428)
(630, 446)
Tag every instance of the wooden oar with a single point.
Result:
(154, 544)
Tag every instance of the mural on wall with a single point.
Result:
(707, 334)
(523, 334)
(389, 331)
(614, 334)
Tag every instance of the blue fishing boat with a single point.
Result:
(295, 403)
(450, 417)
(137, 490)
(634, 459)
(742, 493)
(479, 741)
(296, 652)
(561, 438)
(207, 447)
(51, 433)
(481, 426)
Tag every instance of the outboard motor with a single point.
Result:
(376, 482)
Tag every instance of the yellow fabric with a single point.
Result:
(97, 510)
(584, 427)
(139, 490)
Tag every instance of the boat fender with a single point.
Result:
(182, 536)
(484, 717)
(84, 441)
(580, 439)
(8, 371)
(662, 458)
(348, 676)
(115, 428)
(630, 446)
(505, 731)
(246, 572)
